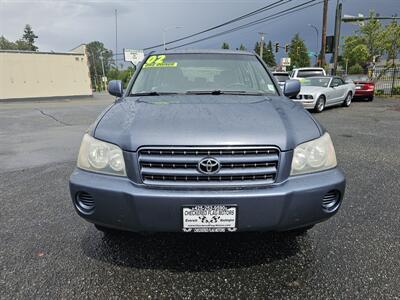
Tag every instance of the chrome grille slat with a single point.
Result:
(178, 166)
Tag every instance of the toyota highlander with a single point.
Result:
(206, 141)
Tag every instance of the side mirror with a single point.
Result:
(115, 88)
(334, 85)
(292, 88)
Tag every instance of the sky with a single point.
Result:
(61, 25)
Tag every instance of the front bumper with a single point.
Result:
(307, 103)
(122, 204)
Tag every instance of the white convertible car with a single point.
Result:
(320, 92)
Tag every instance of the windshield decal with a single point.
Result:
(157, 61)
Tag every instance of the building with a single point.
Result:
(28, 74)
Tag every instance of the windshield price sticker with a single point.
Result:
(209, 218)
(157, 61)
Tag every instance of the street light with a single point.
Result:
(317, 32)
(166, 29)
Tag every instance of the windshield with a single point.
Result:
(191, 73)
(310, 73)
(281, 77)
(315, 81)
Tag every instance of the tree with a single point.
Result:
(355, 51)
(6, 44)
(298, 52)
(391, 39)
(98, 57)
(28, 39)
(225, 45)
(242, 47)
(268, 54)
(372, 35)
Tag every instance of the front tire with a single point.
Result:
(347, 101)
(320, 105)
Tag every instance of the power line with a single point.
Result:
(288, 11)
(250, 14)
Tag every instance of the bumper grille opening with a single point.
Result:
(84, 202)
(180, 166)
(331, 201)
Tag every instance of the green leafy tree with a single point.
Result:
(268, 54)
(242, 47)
(6, 44)
(123, 75)
(298, 53)
(356, 69)
(355, 51)
(372, 35)
(98, 57)
(225, 45)
(392, 40)
(28, 39)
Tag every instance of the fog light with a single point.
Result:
(331, 201)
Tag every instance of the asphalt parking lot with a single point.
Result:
(47, 251)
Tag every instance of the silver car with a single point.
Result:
(319, 92)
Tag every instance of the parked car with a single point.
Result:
(319, 92)
(307, 72)
(281, 77)
(365, 88)
(193, 145)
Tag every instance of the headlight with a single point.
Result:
(101, 157)
(313, 156)
(308, 97)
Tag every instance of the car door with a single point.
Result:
(334, 92)
(342, 89)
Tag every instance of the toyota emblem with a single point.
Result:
(209, 166)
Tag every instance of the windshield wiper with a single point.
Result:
(154, 93)
(222, 92)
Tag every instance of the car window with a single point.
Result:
(315, 81)
(180, 73)
(281, 77)
(336, 82)
(309, 73)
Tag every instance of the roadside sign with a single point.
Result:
(285, 61)
(134, 56)
(104, 79)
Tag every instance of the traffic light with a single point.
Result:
(286, 48)
(276, 47)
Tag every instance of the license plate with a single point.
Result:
(358, 87)
(209, 218)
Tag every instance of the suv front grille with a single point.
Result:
(179, 166)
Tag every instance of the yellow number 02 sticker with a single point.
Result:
(157, 61)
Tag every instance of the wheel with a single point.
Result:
(347, 101)
(320, 105)
(371, 98)
(105, 230)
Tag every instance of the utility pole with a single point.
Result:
(104, 74)
(116, 38)
(324, 25)
(338, 22)
(261, 43)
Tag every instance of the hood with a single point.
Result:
(311, 89)
(206, 120)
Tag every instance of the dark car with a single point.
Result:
(365, 88)
(205, 141)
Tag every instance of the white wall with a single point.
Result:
(40, 74)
